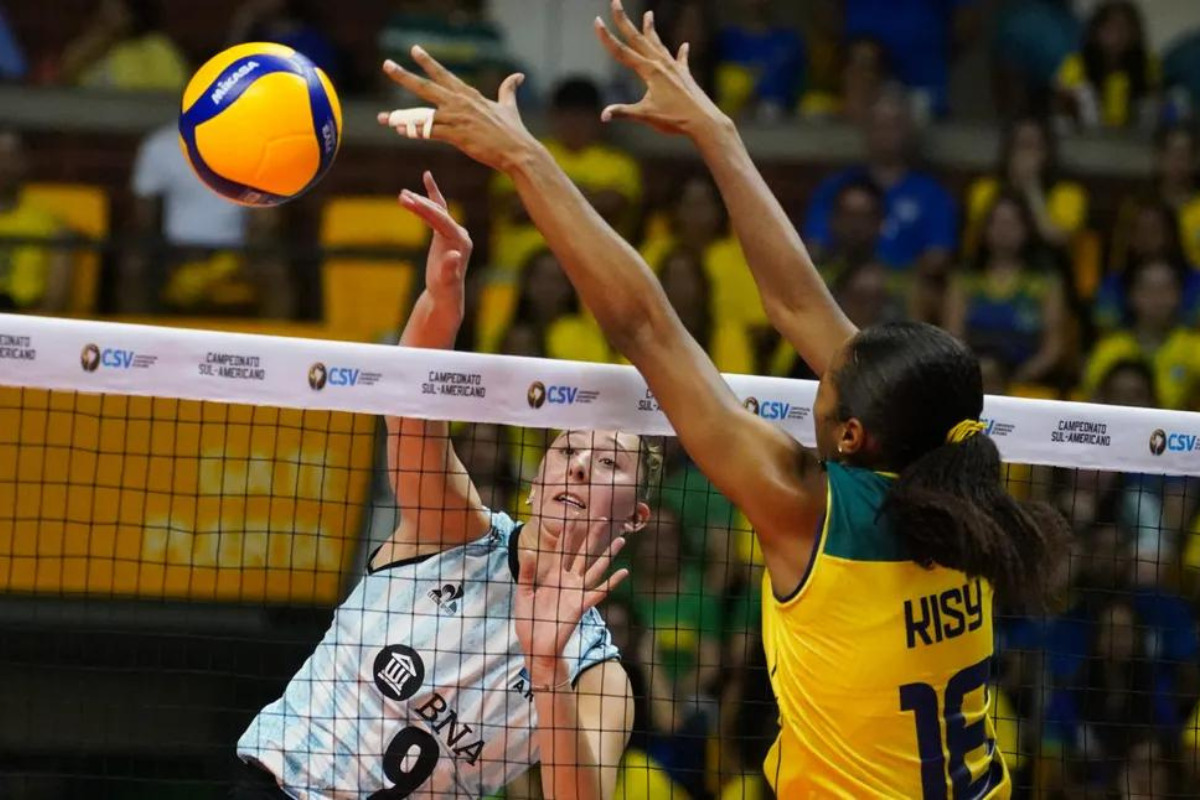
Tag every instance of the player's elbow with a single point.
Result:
(781, 311)
(636, 333)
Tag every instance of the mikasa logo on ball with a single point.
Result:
(224, 87)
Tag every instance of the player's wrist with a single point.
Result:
(526, 158)
(548, 674)
(448, 302)
(714, 129)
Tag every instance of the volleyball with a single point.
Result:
(260, 123)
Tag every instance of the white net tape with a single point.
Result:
(114, 358)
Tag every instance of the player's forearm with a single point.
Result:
(433, 324)
(612, 279)
(417, 447)
(570, 770)
(792, 290)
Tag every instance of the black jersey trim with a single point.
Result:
(403, 562)
(812, 562)
(779, 763)
(514, 560)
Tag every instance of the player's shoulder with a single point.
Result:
(495, 541)
(501, 529)
(855, 527)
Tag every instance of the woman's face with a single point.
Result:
(1118, 635)
(1152, 234)
(1105, 558)
(1128, 387)
(1145, 774)
(522, 340)
(864, 66)
(1006, 232)
(865, 296)
(1116, 33)
(1177, 159)
(698, 213)
(1154, 297)
(590, 475)
(1029, 146)
(683, 282)
(548, 291)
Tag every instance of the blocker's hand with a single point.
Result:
(674, 103)
(489, 131)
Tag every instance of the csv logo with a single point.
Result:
(320, 376)
(93, 357)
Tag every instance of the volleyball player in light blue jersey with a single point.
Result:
(471, 650)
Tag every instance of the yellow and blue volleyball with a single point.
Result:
(260, 123)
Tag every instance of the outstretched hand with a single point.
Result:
(558, 583)
(489, 131)
(450, 247)
(674, 103)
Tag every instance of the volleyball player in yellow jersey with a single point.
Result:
(883, 547)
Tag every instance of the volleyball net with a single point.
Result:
(181, 511)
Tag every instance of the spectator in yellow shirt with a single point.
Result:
(1029, 165)
(689, 291)
(546, 304)
(698, 224)
(1114, 81)
(1175, 186)
(1011, 302)
(610, 178)
(33, 277)
(125, 48)
(862, 74)
(1156, 334)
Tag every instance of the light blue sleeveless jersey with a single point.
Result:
(419, 687)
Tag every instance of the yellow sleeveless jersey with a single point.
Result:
(880, 666)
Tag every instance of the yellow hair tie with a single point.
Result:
(965, 430)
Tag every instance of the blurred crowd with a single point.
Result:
(1061, 295)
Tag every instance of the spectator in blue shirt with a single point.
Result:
(920, 37)
(920, 221)
(12, 60)
(760, 65)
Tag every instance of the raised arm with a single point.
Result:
(796, 300)
(439, 505)
(759, 467)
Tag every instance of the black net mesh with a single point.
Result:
(169, 567)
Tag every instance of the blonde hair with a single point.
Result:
(650, 464)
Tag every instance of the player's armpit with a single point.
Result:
(605, 713)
